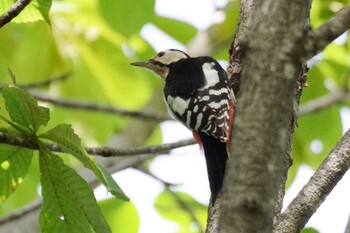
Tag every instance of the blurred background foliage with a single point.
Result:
(93, 42)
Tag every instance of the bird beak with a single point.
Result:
(145, 64)
(150, 65)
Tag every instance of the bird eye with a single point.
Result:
(161, 54)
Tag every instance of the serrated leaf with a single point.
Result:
(34, 11)
(14, 165)
(69, 204)
(64, 136)
(69, 142)
(24, 109)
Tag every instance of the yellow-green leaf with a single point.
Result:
(24, 109)
(14, 165)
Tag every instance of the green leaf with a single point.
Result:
(180, 31)
(127, 22)
(110, 183)
(315, 127)
(335, 64)
(69, 142)
(119, 80)
(64, 136)
(69, 204)
(14, 165)
(36, 10)
(26, 192)
(30, 52)
(309, 230)
(169, 207)
(115, 212)
(24, 109)
(322, 11)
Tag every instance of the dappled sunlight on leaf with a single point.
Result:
(14, 165)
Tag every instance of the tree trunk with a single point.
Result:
(269, 42)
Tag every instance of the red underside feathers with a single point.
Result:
(230, 122)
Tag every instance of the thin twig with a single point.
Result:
(100, 151)
(46, 82)
(299, 211)
(323, 102)
(319, 38)
(84, 105)
(13, 11)
(12, 76)
(157, 149)
(27, 209)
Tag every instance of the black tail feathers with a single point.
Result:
(215, 155)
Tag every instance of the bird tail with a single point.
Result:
(215, 155)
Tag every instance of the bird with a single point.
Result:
(199, 95)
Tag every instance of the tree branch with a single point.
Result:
(83, 105)
(75, 104)
(347, 228)
(323, 102)
(101, 151)
(35, 205)
(299, 211)
(46, 82)
(319, 38)
(157, 149)
(13, 11)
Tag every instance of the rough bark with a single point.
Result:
(14, 10)
(317, 189)
(270, 64)
(234, 72)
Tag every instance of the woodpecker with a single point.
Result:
(198, 94)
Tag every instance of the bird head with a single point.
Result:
(162, 61)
